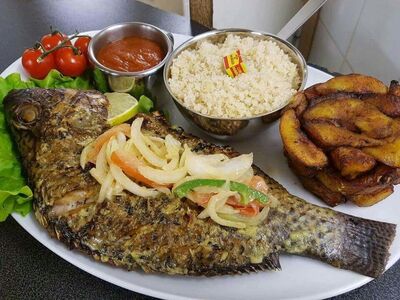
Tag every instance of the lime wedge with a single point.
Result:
(121, 84)
(122, 108)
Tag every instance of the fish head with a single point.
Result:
(50, 128)
(56, 113)
(53, 125)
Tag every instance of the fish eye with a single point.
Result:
(27, 114)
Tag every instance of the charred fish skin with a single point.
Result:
(341, 240)
(164, 234)
(50, 128)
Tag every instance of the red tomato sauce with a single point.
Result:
(131, 54)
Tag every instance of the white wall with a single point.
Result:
(264, 15)
(361, 36)
(180, 7)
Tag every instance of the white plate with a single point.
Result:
(300, 278)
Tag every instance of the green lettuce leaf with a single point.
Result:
(15, 195)
(56, 80)
(139, 89)
(13, 81)
(100, 81)
(145, 104)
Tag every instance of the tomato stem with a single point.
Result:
(76, 50)
(39, 45)
(63, 44)
(54, 31)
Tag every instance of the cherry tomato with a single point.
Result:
(82, 44)
(69, 63)
(51, 40)
(37, 68)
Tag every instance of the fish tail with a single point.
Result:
(344, 241)
(365, 246)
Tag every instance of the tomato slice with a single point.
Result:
(258, 183)
(250, 210)
(105, 137)
(201, 198)
(129, 165)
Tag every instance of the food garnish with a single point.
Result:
(100, 81)
(234, 64)
(352, 121)
(53, 39)
(121, 84)
(70, 62)
(82, 44)
(55, 51)
(247, 193)
(15, 195)
(55, 79)
(122, 107)
(146, 166)
(36, 65)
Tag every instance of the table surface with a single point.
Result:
(28, 270)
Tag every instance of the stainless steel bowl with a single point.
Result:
(229, 127)
(122, 30)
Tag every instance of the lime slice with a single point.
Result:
(121, 84)
(122, 108)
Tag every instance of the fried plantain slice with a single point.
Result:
(394, 88)
(354, 114)
(357, 119)
(381, 175)
(389, 153)
(351, 162)
(352, 83)
(369, 199)
(296, 143)
(298, 103)
(300, 169)
(328, 135)
(318, 189)
(311, 92)
(335, 96)
(387, 104)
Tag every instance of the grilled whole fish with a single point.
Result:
(164, 234)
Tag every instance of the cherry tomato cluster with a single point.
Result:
(55, 51)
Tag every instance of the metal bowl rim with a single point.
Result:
(207, 34)
(143, 73)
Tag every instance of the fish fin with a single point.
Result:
(270, 262)
(365, 247)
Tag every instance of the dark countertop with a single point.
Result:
(28, 270)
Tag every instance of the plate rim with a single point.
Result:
(153, 292)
